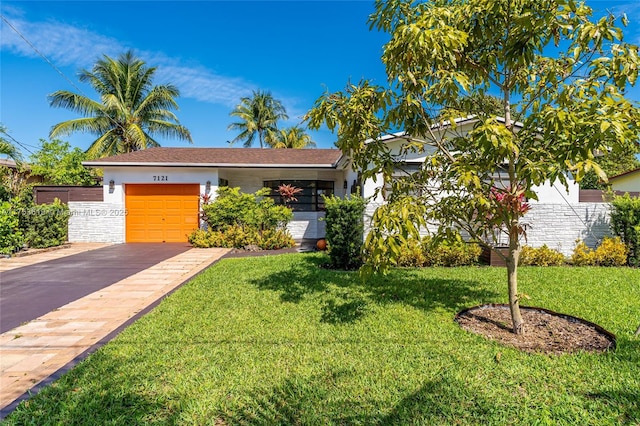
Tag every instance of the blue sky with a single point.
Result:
(214, 51)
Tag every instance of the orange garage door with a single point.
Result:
(161, 212)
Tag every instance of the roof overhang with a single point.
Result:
(212, 165)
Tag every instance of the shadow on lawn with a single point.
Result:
(346, 295)
(628, 400)
(85, 396)
(321, 400)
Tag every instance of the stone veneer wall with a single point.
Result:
(560, 225)
(556, 225)
(96, 222)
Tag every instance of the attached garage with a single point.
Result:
(161, 212)
(153, 195)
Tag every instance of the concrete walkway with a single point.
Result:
(31, 353)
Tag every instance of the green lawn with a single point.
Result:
(278, 340)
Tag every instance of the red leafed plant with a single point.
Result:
(513, 203)
(288, 192)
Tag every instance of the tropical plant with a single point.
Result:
(131, 110)
(292, 137)
(236, 219)
(557, 111)
(6, 147)
(258, 115)
(288, 193)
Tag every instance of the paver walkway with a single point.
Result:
(32, 352)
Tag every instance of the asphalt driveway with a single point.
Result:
(29, 292)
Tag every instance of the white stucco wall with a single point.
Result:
(305, 225)
(627, 183)
(155, 175)
(557, 193)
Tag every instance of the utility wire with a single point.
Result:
(587, 227)
(22, 145)
(35, 49)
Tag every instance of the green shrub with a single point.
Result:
(236, 237)
(583, 255)
(625, 223)
(11, 238)
(541, 256)
(275, 240)
(248, 211)
(45, 225)
(428, 252)
(611, 252)
(412, 254)
(454, 253)
(237, 220)
(345, 230)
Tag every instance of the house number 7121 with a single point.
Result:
(160, 178)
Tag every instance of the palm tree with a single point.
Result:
(130, 112)
(7, 148)
(293, 137)
(259, 115)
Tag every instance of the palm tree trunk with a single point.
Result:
(512, 280)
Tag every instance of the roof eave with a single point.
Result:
(225, 165)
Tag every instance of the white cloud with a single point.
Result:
(202, 84)
(62, 44)
(67, 45)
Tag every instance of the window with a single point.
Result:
(309, 200)
(403, 171)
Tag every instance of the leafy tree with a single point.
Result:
(131, 111)
(477, 103)
(58, 164)
(292, 137)
(612, 164)
(258, 115)
(557, 111)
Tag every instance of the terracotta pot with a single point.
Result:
(321, 244)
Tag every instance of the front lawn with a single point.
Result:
(278, 340)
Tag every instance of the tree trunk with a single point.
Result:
(512, 279)
(638, 331)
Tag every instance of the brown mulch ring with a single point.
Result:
(545, 331)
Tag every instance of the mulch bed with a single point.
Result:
(544, 331)
(30, 251)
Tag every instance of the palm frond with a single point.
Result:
(130, 107)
